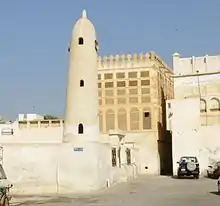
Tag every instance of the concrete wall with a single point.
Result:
(189, 137)
(35, 160)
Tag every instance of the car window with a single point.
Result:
(188, 159)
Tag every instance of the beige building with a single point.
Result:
(193, 116)
(199, 77)
(132, 94)
(132, 89)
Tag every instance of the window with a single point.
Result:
(80, 128)
(110, 120)
(81, 83)
(214, 104)
(121, 92)
(132, 75)
(121, 84)
(203, 105)
(109, 84)
(114, 155)
(128, 156)
(145, 74)
(133, 83)
(145, 82)
(146, 119)
(169, 105)
(120, 75)
(81, 41)
(96, 45)
(134, 119)
(122, 119)
(108, 76)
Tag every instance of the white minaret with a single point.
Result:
(81, 115)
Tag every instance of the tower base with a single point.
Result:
(83, 167)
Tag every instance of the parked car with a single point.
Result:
(213, 170)
(218, 185)
(188, 166)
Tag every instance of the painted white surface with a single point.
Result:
(202, 141)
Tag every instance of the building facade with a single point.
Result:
(199, 77)
(132, 89)
(193, 116)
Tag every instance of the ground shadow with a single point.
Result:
(57, 199)
(184, 177)
(215, 193)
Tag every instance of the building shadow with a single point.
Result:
(164, 141)
(215, 193)
(183, 177)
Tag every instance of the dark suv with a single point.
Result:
(188, 166)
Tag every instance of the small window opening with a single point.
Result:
(128, 156)
(114, 156)
(80, 128)
(146, 114)
(96, 45)
(169, 105)
(81, 83)
(80, 41)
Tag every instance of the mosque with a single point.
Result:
(114, 126)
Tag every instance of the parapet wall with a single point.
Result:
(125, 61)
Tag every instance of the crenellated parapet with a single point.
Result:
(130, 61)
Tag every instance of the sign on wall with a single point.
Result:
(78, 149)
(7, 131)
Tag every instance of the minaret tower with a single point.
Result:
(81, 115)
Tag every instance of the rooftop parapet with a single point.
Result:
(130, 61)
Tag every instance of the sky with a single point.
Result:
(34, 37)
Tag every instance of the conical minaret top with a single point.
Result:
(84, 14)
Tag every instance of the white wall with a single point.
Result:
(189, 137)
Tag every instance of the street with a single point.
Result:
(157, 191)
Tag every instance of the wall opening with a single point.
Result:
(146, 119)
(114, 156)
(81, 41)
(128, 156)
(96, 45)
(80, 128)
(81, 83)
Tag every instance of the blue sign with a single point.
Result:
(78, 149)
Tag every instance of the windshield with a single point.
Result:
(188, 159)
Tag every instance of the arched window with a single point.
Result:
(146, 118)
(110, 120)
(81, 41)
(80, 128)
(214, 104)
(134, 119)
(81, 83)
(203, 107)
(122, 119)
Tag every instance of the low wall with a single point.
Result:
(55, 168)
